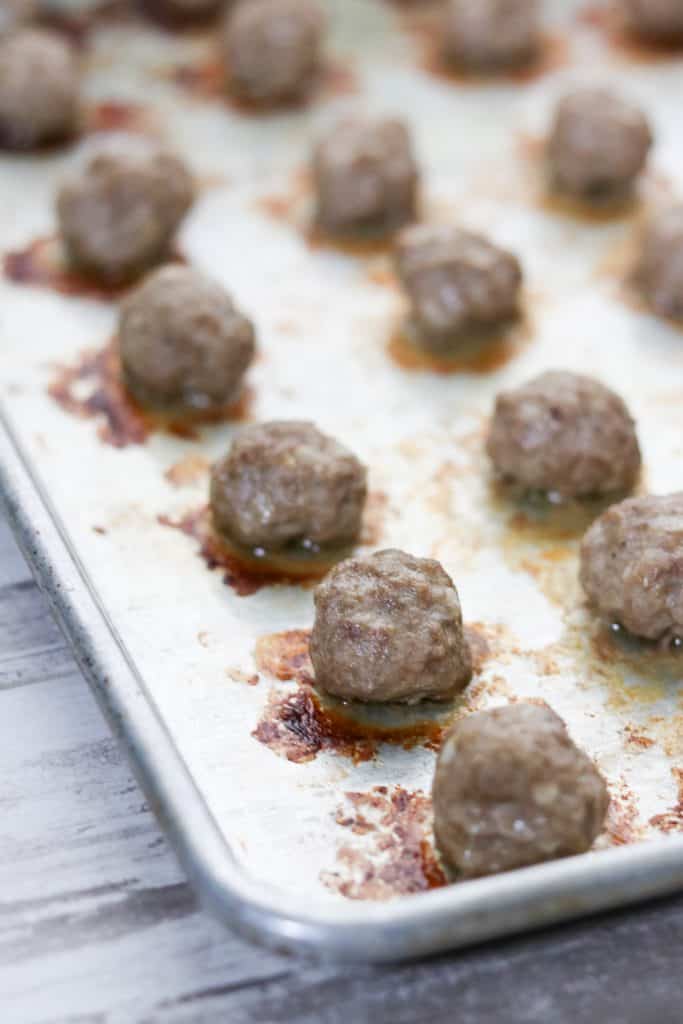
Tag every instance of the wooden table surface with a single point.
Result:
(99, 926)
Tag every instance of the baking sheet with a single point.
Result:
(324, 321)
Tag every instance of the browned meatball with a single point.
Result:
(511, 789)
(118, 216)
(366, 178)
(39, 89)
(458, 283)
(660, 20)
(598, 144)
(491, 33)
(389, 628)
(566, 434)
(632, 566)
(273, 48)
(183, 345)
(659, 272)
(182, 12)
(286, 484)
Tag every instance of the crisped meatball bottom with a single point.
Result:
(273, 48)
(183, 345)
(285, 483)
(457, 282)
(366, 178)
(491, 33)
(389, 628)
(659, 271)
(632, 566)
(118, 216)
(660, 20)
(182, 12)
(39, 89)
(511, 789)
(566, 434)
(598, 145)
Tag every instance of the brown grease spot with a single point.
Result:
(243, 570)
(43, 263)
(396, 855)
(636, 738)
(117, 116)
(361, 245)
(622, 825)
(672, 820)
(208, 79)
(294, 726)
(485, 353)
(285, 655)
(122, 421)
(624, 40)
(174, 20)
(188, 470)
(238, 676)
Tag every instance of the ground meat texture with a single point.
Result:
(39, 89)
(389, 628)
(273, 48)
(511, 789)
(183, 345)
(598, 144)
(286, 484)
(659, 271)
(632, 566)
(660, 20)
(491, 33)
(366, 178)
(566, 434)
(458, 283)
(118, 216)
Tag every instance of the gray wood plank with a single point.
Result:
(98, 925)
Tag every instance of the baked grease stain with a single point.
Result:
(481, 353)
(625, 41)
(92, 388)
(42, 263)
(672, 820)
(393, 854)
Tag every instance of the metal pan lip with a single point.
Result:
(409, 927)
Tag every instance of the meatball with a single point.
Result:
(365, 178)
(183, 345)
(273, 48)
(511, 789)
(182, 12)
(118, 216)
(598, 144)
(389, 628)
(286, 484)
(39, 89)
(491, 33)
(457, 283)
(659, 271)
(632, 566)
(659, 20)
(566, 434)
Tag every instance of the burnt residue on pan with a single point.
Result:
(392, 853)
(189, 470)
(92, 388)
(208, 78)
(623, 824)
(118, 116)
(424, 23)
(624, 42)
(672, 820)
(300, 723)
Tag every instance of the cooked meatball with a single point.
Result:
(16, 12)
(659, 272)
(660, 20)
(285, 483)
(389, 628)
(458, 283)
(273, 48)
(182, 12)
(511, 789)
(118, 216)
(598, 144)
(632, 566)
(566, 434)
(491, 33)
(366, 178)
(183, 345)
(39, 89)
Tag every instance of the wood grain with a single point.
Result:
(98, 925)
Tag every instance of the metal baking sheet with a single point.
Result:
(328, 847)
